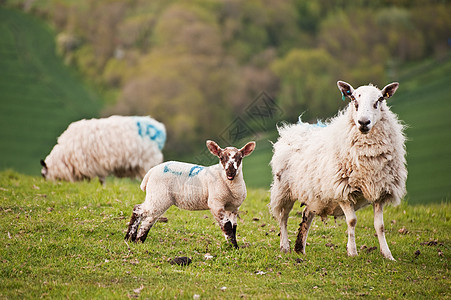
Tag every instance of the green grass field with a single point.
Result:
(65, 240)
(39, 95)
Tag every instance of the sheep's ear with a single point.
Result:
(345, 88)
(214, 148)
(43, 163)
(247, 149)
(389, 90)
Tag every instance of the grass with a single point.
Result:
(65, 240)
(39, 95)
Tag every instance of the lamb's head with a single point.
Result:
(368, 101)
(230, 157)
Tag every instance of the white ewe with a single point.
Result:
(219, 188)
(357, 159)
(118, 145)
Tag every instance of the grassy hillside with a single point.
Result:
(423, 104)
(65, 240)
(39, 95)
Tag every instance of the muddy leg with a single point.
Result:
(351, 220)
(379, 226)
(150, 216)
(135, 220)
(227, 222)
(301, 240)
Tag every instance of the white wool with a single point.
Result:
(118, 145)
(334, 169)
(328, 164)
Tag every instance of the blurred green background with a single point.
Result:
(201, 66)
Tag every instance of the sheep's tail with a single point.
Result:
(144, 182)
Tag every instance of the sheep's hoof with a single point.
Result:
(285, 250)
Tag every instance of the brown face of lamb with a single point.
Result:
(368, 101)
(230, 157)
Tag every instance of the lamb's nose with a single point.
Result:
(364, 122)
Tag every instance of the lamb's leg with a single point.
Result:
(351, 220)
(307, 218)
(379, 226)
(152, 210)
(135, 220)
(227, 223)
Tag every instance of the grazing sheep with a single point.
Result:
(357, 159)
(118, 145)
(219, 188)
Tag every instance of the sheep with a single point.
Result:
(356, 159)
(219, 188)
(118, 145)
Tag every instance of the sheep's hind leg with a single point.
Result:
(135, 220)
(151, 215)
(379, 226)
(301, 240)
(351, 220)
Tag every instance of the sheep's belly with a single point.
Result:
(324, 209)
(190, 197)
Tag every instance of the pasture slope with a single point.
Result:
(423, 103)
(66, 240)
(39, 95)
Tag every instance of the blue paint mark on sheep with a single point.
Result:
(146, 129)
(195, 170)
(168, 170)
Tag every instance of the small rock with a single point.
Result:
(299, 260)
(181, 261)
(403, 230)
(371, 249)
(163, 219)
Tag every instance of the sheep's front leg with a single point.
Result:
(379, 226)
(283, 223)
(228, 224)
(351, 220)
(301, 241)
(135, 220)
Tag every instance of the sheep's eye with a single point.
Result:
(375, 104)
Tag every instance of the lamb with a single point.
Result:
(219, 188)
(118, 145)
(356, 159)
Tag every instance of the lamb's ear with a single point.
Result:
(389, 90)
(43, 163)
(247, 149)
(345, 88)
(214, 148)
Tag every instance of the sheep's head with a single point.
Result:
(44, 169)
(230, 157)
(368, 103)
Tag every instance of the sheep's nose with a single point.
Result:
(364, 122)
